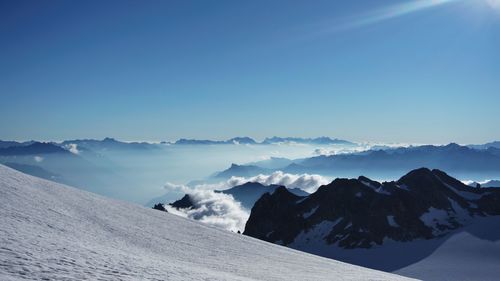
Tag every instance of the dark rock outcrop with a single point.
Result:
(361, 213)
(183, 203)
(160, 207)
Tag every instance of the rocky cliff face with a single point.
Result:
(361, 213)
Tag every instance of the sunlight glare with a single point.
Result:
(495, 4)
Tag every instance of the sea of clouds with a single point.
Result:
(222, 210)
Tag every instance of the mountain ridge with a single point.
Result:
(391, 226)
(421, 204)
(387, 163)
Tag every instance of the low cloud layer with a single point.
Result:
(222, 210)
(327, 151)
(213, 208)
(306, 182)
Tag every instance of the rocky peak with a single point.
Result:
(361, 213)
(183, 203)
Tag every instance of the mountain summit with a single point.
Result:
(361, 213)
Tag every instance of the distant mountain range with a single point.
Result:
(5, 144)
(247, 194)
(108, 144)
(113, 144)
(32, 148)
(271, 163)
(273, 140)
(237, 140)
(362, 214)
(35, 147)
(319, 140)
(236, 170)
(489, 183)
(35, 171)
(458, 159)
(60, 162)
(451, 157)
(494, 144)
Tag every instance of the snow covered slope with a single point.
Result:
(470, 254)
(49, 231)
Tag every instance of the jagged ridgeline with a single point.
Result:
(361, 213)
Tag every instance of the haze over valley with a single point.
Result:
(250, 140)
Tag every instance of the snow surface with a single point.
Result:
(314, 237)
(470, 254)
(49, 231)
(437, 219)
(434, 216)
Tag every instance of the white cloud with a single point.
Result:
(72, 147)
(339, 150)
(327, 151)
(38, 159)
(176, 187)
(213, 208)
(222, 210)
(321, 151)
(306, 182)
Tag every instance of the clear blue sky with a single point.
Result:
(400, 71)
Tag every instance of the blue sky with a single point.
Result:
(398, 71)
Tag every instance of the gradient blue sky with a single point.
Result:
(161, 70)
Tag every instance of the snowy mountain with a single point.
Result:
(49, 231)
(360, 220)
